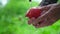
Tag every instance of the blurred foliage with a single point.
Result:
(13, 20)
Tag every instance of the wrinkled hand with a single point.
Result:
(49, 16)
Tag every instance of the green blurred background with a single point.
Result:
(13, 20)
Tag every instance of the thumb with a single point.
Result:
(43, 16)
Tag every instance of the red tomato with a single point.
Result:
(34, 13)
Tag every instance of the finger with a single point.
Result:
(47, 22)
(42, 17)
(31, 20)
(42, 24)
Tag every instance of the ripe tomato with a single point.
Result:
(34, 12)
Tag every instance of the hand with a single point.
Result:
(49, 16)
(44, 8)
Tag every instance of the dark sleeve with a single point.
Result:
(30, 0)
(47, 2)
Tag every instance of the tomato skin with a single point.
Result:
(34, 12)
